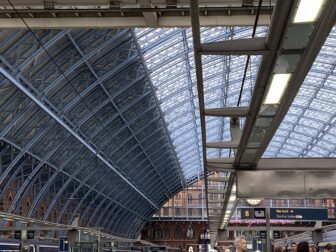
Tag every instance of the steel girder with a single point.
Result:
(115, 105)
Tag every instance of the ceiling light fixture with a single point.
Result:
(308, 11)
(277, 89)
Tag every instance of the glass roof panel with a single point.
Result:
(168, 54)
(308, 130)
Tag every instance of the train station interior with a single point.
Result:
(167, 125)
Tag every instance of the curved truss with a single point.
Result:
(113, 131)
(82, 134)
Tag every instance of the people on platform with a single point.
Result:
(240, 244)
(303, 247)
(328, 248)
(313, 248)
(278, 249)
(293, 246)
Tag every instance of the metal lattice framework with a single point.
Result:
(308, 129)
(169, 56)
(104, 124)
(82, 133)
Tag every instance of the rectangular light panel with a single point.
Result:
(278, 86)
(308, 11)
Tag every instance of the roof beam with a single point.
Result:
(252, 46)
(227, 112)
(214, 161)
(126, 22)
(68, 128)
(317, 39)
(223, 145)
(273, 40)
(264, 119)
(278, 164)
(151, 18)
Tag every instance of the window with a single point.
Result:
(190, 212)
(189, 198)
(190, 232)
(165, 211)
(165, 233)
(157, 233)
(177, 211)
(178, 233)
(200, 198)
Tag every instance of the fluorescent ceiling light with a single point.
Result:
(232, 198)
(278, 86)
(308, 11)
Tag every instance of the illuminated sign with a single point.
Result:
(17, 234)
(253, 213)
(247, 213)
(304, 214)
(276, 234)
(262, 234)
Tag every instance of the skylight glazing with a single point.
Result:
(308, 130)
(169, 57)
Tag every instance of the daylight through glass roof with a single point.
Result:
(169, 58)
(308, 129)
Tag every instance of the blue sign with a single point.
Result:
(64, 244)
(305, 214)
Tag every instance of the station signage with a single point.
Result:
(311, 214)
(31, 234)
(17, 234)
(276, 234)
(262, 234)
(253, 213)
(294, 214)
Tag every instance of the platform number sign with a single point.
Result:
(247, 213)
